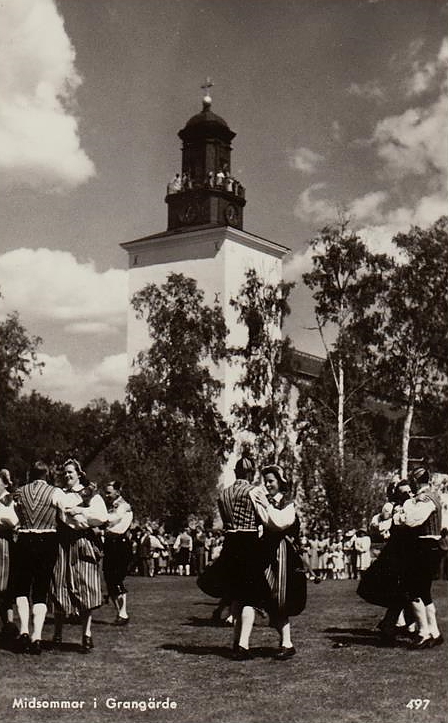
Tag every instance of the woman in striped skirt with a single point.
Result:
(76, 588)
(284, 572)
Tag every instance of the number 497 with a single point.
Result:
(416, 703)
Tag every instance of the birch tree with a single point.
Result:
(346, 280)
(413, 353)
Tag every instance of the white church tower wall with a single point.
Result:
(205, 241)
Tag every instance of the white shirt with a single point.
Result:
(8, 517)
(93, 515)
(120, 518)
(415, 511)
(272, 518)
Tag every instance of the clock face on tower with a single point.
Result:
(188, 214)
(231, 214)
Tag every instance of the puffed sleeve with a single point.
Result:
(8, 516)
(272, 518)
(416, 512)
(93, 515)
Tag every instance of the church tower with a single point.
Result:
(205, 239)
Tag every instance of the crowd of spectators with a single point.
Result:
(157, 552)
(340, 555)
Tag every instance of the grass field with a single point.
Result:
(171, 650)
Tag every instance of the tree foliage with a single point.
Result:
(412, 347)
(267, 378)
(175, 439)
(346, 280)
(18, 356)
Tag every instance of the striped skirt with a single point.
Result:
(286, 580)
(5, 562)
(76, 584)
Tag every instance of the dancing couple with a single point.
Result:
(258, 571)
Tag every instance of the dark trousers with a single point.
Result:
(35, 557)
(117, 556)
(421, 569)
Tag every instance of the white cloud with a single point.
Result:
(371, 90)
(367, 206)
(39, 134)
(424, 74)
(61, 381)
(304, 159)
(298, 264)
(415, 142)
(399, 220)
(48, 284)
(311, 207)
(415, 145)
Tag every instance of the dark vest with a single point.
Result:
(433, 524)
(236, 507)
(35, 507)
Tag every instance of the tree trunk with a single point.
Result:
(406, 437)
(341, 393)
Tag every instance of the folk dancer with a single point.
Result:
(423, 514)
(383, 583)
(183, 547)
(117, 549)
(36, 551)
(284, 573)
(8, 521)
(76, 584)
(239, 573)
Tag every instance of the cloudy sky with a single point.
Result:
(336, 103)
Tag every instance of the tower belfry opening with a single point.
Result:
(205, 192)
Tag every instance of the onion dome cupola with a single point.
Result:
(205, 192)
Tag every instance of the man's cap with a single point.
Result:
(244, 465)
(421, 475)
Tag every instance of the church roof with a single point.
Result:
(206, 123)
(206, 116)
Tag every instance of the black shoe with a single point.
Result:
(285, 653)
(57, 642)
(436, 641)
(420, 643)
(35, 647)
(23, 643)
(240, 653)
(87, 642)
(121, 621)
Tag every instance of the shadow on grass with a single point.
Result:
(218, 650)
(47, 647)
(64, 648)
(196, 622)
(354, 631)
(346, 637)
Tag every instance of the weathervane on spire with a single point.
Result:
(207, 100)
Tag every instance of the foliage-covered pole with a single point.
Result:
(265, 408)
